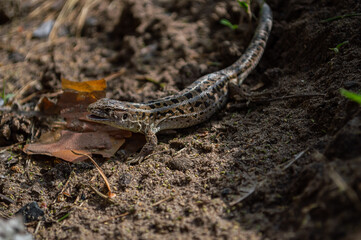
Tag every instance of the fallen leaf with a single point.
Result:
(48, 107)
(80, 134)
(75, 101)
(87, 143)
(87, 86)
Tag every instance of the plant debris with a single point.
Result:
(77, 134)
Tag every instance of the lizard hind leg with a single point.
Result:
(147, 149)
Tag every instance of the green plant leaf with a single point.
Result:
(2, 94)
(63, 217)
(243, 4)
(8, 96)
(340, 17)
(351, 95)
(337, 48)
(227, 23)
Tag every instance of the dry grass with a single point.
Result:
(71, 11)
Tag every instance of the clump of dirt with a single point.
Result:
(14, 129)
(284, 163)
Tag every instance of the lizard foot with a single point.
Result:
(147, 149)
(136, 159)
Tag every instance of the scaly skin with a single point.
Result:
(191, 106)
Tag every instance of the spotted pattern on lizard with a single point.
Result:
(193, 105)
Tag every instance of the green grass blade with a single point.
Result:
(340, 17)
(351, 95)
(227, 23)
(243, 5)
(337, 48)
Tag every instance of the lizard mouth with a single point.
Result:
(94, 117)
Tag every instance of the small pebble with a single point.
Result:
(44, 29)
(31, 212)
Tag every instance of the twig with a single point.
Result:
(114, 75)
(65, 186)
(65, 11)
(101, 194)
(161, 201)
(110, 193)
(240, 199)
(344, 187)
(38, 227)
(116, 216)
(180, 151)
(6, 199)
(36, 94)
(44, 7)
(25, 88)
(297, 156)
(83, 14)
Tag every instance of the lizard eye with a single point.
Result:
(125, 116)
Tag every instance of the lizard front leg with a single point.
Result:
(148, 147)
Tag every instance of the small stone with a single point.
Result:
(31, 212)
(44, 29)
(125, 179)
(180, 164)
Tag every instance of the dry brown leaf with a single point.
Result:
(48, 107)
(74, 101)
(81, 135)
(87, 86)
(87, 143)
(75, 98)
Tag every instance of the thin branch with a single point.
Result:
(101, 194)
(241, 198)
(344, 187)
(297, 156)
(65, 186)
(161, 201)
(116, 216)
(110, 193)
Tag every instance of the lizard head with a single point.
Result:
(122, 115)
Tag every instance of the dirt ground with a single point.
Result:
(283, 165)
